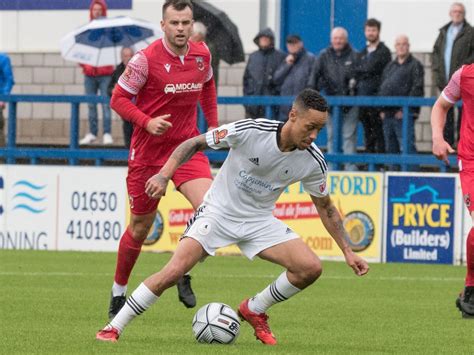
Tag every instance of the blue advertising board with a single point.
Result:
(59, 4)
(420, 219)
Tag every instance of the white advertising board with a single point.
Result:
(29, 202)
(91, 208)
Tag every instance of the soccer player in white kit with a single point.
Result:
(264, 158)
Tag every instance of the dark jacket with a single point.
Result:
(406, 79)
(261, 65)
(369, 68)
(331, 71)
(463, 53)
(292, 78)
(115, 77)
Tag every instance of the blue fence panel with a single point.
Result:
(11, 152)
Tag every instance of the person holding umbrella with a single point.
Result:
(159, 92)
(97, 79)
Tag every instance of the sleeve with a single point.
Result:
(227, 136)
(8, 74)
(316, 184)
(436, 62)
(281, 73)
(208, 100)
(313, 79)
(121, 102)
(135, 75)
(452, 92)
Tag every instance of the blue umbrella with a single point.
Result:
(99, 42)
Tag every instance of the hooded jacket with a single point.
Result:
(463, 53)
(90, 70)
(261, 66)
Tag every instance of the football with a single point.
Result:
(216, 323)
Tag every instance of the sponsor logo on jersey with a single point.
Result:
(167, 67)
(200, 63)
(182, 87)
(255, 161)
(218, 135)
(467, 200)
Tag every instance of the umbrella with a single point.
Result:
(221, 32)
(99, 42)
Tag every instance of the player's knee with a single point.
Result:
(310, 272)
(139, 231)
(172, 274)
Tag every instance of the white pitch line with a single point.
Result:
(234, 276)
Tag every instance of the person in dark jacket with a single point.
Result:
(292, 74)
(258, 75)
(372, 61)
(453, 48)
(331, 74)
(126, 54)
(200, 35)
(404, 76)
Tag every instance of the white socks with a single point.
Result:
(280, 290)
(138, 302)
(118, 290)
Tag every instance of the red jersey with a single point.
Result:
(162, 82)
(461, 86)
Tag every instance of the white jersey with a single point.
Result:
(256, 171)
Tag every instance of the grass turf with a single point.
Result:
(54, 302)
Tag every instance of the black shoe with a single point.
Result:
(465, 302)
(116, 304)
(185, 292)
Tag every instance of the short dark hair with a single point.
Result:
(293, 39)
(311, 99)
(372, 22)
(179, 5)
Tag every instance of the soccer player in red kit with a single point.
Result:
(165, 81)
(460, 87)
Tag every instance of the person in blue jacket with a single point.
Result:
(6, 85)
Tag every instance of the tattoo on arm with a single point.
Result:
(187, 149)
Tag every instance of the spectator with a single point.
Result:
(125, 54)
(372, 60)
(258, 75)
(404, 76)
(97, 79)
(200, 35)
(292, 74)
(6, 85)
(331, 75)
(453, 48)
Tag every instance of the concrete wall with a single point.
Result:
(37, 73)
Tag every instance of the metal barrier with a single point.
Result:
(11, 152)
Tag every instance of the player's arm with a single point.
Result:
(208, 100)
(441, 148)
(155, 187)
(332, 221)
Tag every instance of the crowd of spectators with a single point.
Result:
(341, 70)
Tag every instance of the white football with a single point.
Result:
(216, 323)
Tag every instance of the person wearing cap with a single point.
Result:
(293, 73)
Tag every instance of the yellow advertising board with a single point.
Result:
(357, 196)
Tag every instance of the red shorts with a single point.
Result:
(197, 167)
(466, 173)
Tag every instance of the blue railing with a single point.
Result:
(11, 152)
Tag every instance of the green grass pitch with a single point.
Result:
(54, 302)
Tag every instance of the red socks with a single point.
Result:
(128, 252)
(470, 258)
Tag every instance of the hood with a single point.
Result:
(101, 3)
(267, 32)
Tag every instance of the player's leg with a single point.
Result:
(272, 240)
(187, 254)
(142, 216)
(465, 302)
(193, 180)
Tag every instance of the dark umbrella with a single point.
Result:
(221, 31)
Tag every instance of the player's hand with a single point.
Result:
(441, 149)
(155, 187)
(357, 264)
(158, 125)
